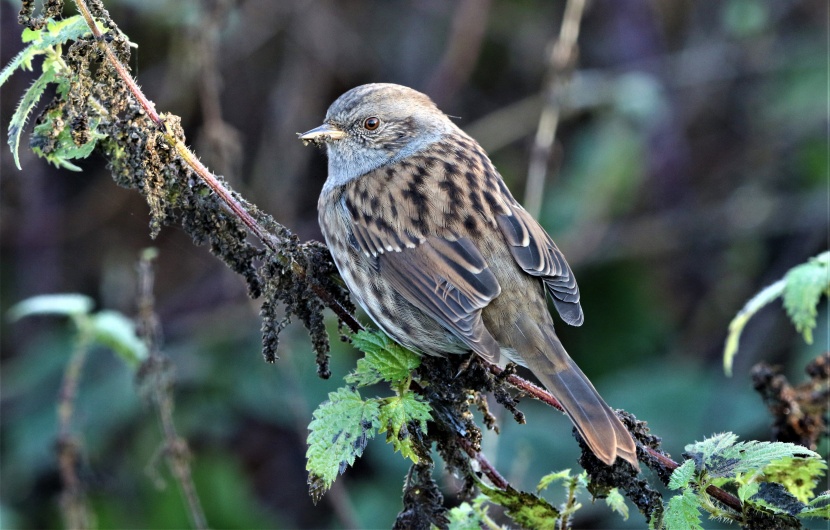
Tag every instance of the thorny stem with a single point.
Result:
(269, 240)
(486, 467)
(561, 56)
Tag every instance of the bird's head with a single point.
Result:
(376, 124)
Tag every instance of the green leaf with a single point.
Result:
(683, 512)
(385, 360)
(340, 430)
(681, 476)
(24, 108)
(616, 502)
(722, 457)
(65, 148)
(818, 507)
(550, 478)
(736, 327)
(799, 475)
(467, 517)
(117, 332)
(525, 509)
(395, 415)
(801, 288)
(747, 490)
(72, 28)
(775, 498)
(52, 304)
(805, 285)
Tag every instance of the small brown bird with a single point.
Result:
(441, 256)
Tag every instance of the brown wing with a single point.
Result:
(448, 280)
(536, 253)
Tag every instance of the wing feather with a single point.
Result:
(537, 255)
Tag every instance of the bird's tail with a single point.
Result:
(596, 422)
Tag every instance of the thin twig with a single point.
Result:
(560, 63)
(176, 450)
(74, 507)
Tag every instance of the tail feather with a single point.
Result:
(594, 420)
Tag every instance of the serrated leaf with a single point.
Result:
(550, 478)
(683, 512)
(24, 108)
(801, 289)
(65, 147)
(526, 509)
(384, 360)
(818, 507)
(340, 430)
(736, 327)
(747, 457)
(52, 304)
(805, 285)
(396, 414)
(799, 475)
(775, 498)
(681, 476)
(117, 332)
(747, 490)
(703, 450)
(616, 502)
(721, 456)
(466, 517)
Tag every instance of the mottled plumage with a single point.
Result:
(441, 256)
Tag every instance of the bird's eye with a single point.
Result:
(370, 124)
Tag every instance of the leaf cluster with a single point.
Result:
(800, 290)
(343, 425)
(770, 479)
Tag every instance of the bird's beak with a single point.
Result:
(322, 134)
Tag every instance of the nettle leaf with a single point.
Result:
(805, 285)
(340, 430)
(24, 108)
(117, 332)
(395, 416)
(799, 475)
(467, 517)
(550, 478)
(801, 289)
(703, 451)
(746, 457)
(747, 490)
(52, 304)
(683, 512)
(681, 476)
(616, 502)
(385, 360)
(775, 498)
(818, 507)
(65, 148)
(526, 509)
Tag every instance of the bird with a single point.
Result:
(435, 249)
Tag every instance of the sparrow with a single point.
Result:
(435, 249)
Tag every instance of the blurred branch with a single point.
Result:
(156, 379)
(466, 35)
(561, 61)
(74, 507)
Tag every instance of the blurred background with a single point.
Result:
(690, 170)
